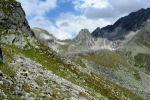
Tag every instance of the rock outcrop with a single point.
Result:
(12, 17)
(14, 27)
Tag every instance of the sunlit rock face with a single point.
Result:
(103, 43)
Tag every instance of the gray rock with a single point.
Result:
(12, 16)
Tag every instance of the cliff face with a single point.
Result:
(12, 16)
(14, 27)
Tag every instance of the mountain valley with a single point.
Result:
(110, 63)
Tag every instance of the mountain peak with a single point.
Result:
(133, 22)
(96, 32)
(83, 34)
(85, 31)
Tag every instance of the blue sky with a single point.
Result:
(65, 18)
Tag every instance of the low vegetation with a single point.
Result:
(7, 70)
(107, 59)
(98, 84)
(143, 61)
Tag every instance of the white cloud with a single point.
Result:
(91, 3)
(109, 8)
(94, 13)
(68, 25)
(38, 7)
(129, 5)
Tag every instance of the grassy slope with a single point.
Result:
(71, 73)
(143, 61)
(112, 60)
(107, 58)
(6, 70)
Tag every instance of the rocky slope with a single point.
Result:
(124, 62)
(30, 68)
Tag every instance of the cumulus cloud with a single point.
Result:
(38, 7)
(70, 23)
(67, 25)
(91, 3)
(109, 8)
(91, 14)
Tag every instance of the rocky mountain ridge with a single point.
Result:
(111, 37)
(133, 22)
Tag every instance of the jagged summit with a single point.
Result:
(84, 34)
(83, 40)
(133, 22)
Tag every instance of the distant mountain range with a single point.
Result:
(110, 37)
(133, 22)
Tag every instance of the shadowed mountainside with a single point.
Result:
(121, 27)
